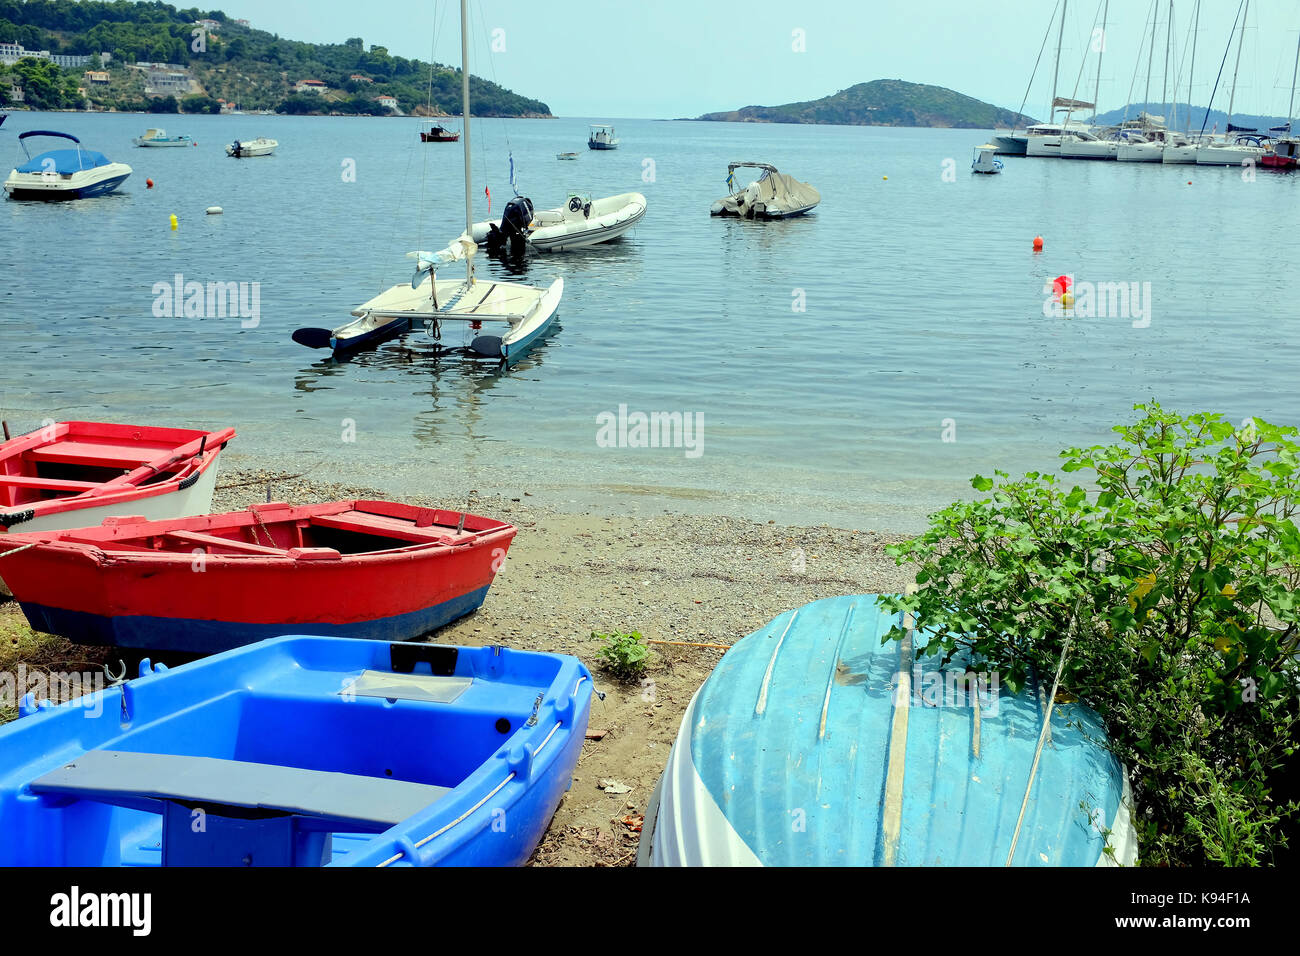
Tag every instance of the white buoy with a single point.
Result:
(214, 210)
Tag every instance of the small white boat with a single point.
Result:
(159, 137)
(580, 222)
(64, 173)
(602, 137)
(253, 147)
(983, 162)
(566, 155)
(774, 195)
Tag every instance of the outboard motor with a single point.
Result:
(511, 237)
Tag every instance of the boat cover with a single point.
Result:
(777, 192)
(65, 161)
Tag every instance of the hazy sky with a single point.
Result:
(672, 58)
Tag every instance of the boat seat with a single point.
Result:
(48, 484)
(215, 541)
(106, 454)
(334, 800)
(385, 527)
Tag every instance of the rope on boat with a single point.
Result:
(1043, 734)
(19, 550)
(725, 647)
(478, 806)
(892, 811)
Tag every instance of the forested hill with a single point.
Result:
(884, 103)
(228, 60)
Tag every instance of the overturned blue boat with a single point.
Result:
(812, 744)
(299, 751)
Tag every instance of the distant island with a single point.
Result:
(884, 103)
(153, 57)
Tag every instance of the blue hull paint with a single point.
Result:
(90, 192)
(179, 635)
(502, 753)
(516, 350)
(372, 338)
(819, 747)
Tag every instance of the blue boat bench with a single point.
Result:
(233, 812)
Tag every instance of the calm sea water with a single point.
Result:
(923, 310)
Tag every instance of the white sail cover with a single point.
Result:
(772, 194)
(458, 250)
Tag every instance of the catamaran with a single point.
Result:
(505, 319)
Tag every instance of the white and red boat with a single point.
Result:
(75, 474)
(369, 569)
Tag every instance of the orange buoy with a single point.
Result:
(1038, 243)
(148, 184)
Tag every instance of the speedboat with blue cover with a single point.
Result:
(299, 751)
(814, 744)
(76, 173)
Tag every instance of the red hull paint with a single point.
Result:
(67, 466)
(395, 559)
(1277, 162)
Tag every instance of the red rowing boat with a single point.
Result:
(372, 569)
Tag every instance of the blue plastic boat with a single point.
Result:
(76, 173)
(299, 751)
(812, 744)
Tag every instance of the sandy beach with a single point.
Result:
(691, 579)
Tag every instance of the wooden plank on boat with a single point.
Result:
(120, 777)
(215, 541)
(377, 525)
(48, 484)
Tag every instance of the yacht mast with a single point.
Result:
(1164, 83)
(1196, 26)
(1096, 90)
(1241, 43)
(1056, 70)
(1291, 105)
(1151, 56)
(464, 112)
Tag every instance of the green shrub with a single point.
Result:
(625, 656)
(1181, 560)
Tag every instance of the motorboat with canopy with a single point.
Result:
(773, 195)
(76, 173)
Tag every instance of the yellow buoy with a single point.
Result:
(174, 222)
(884, 177)
(1067, 300)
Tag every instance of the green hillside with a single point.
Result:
(883, 103)
(233, 62)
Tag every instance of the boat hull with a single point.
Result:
(97, 182)
(429, 756)
(1011, 144)
(1179, 155)
(1140, 153)
(814, 744)
(581, 234)
(201, 585)
(1227, 156)
(1088, 150)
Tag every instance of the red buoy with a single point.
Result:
(1061, 285)
(148, 184)
(1038, 243)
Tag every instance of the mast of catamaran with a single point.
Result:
(1232, 98)
(464, 112)
(1056, 70)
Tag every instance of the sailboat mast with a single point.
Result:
(1151, 57)
(1164, 82)
(1056, 70)
(1291, 105)
(1096, 90)
(464, 112)
(1241, 43)
(1196, 26)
